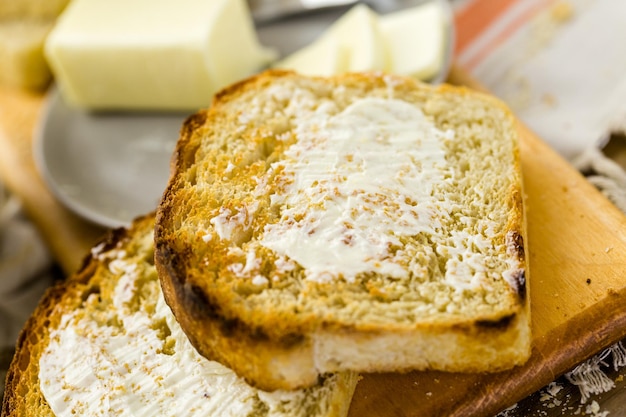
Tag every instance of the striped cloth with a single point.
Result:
(566, 80)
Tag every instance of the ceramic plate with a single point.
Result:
(108, 168)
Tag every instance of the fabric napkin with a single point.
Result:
(560, 66)
(24, 275)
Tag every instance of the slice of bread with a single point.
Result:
(105, 343)
(362, 222)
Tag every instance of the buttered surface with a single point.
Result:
(370, 188)
(359, 181)
(131, 358)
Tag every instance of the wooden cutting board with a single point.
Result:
(68, 236)
(577, 254)
(576, 246)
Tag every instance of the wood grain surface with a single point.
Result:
(577, 253)
(576, 246)
(68, 236)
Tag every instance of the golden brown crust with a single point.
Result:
(235, 344)
(19, 395)
(247, 338)
(23, 397)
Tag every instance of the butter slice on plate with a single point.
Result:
(416, 40)
(318, 59)
(152, 55)
(352, 43)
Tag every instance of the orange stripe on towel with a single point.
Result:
(475, 17)
(519, 21)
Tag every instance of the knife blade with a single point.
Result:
(268, 10)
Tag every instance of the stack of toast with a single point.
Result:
(312, 230)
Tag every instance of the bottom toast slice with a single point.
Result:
(105, 343)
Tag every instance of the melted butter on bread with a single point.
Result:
(358, 181)
(122, 353)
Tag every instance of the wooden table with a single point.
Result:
(577, 252)
(68, 236)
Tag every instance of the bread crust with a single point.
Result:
(22, 395)
(249, 350)
(223, 328)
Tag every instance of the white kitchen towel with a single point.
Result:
(24, 269)
(559, 64)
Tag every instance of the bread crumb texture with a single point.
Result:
(364, 201)
(109, 345)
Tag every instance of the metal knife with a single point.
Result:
(269, 10)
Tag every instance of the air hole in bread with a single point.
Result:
(93, 290)
(150, 258)
(190, 176)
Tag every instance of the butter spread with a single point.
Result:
(358, 182)
(229, 225)
(136, 361)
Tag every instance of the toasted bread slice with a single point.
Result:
(362, 222)
(105, 343)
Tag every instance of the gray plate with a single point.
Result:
(108, 168)
(112, 167)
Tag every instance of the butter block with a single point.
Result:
(416, 40)
(31, 9)
(352, 43)
(152, 55)
(318, 59)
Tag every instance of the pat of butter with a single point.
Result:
(152, 55)
(416, 40)
(318, 59)
(409, 42)
(352, 43)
